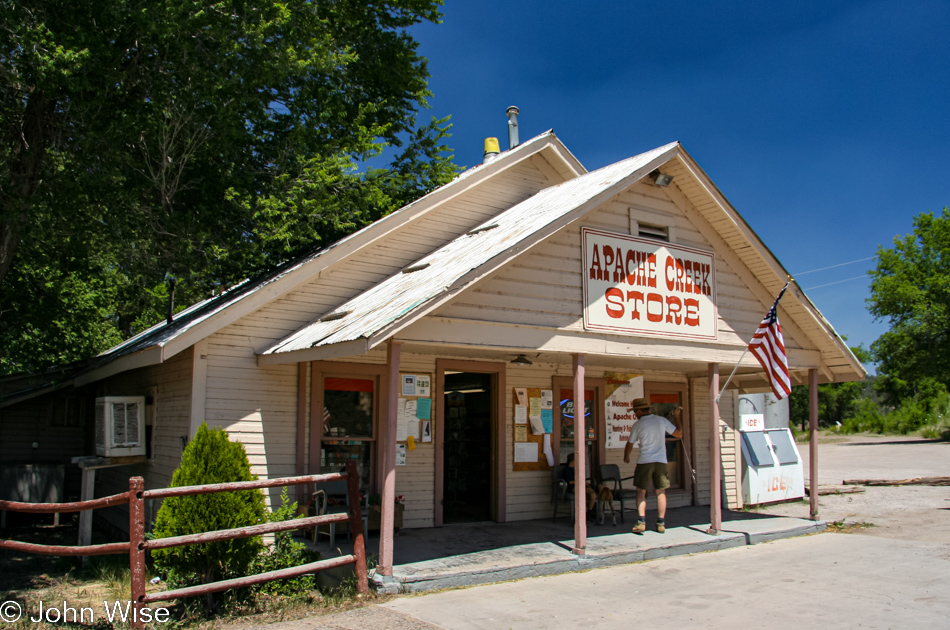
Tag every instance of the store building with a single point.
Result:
(433, 344)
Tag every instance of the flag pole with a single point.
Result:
(719, 395)
(746, 351)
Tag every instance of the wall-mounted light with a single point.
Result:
(661, 179)
(521, 360)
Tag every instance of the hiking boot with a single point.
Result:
(661, 527)
(640, 527)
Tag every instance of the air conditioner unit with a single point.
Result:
(120, 426)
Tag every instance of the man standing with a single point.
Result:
(650, 431)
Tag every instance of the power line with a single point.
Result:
(833, 266)
(838, 282)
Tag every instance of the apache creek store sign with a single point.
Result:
(646, 287)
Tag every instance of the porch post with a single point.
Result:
(388, 507)
(580, 459)
(813, 442)
(715, 463)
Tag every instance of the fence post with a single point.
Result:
(356, 526)
(136, 547)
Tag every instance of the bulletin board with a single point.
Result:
(530, 441)
(415, 414)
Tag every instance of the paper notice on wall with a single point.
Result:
(400, 454)
(526, 451)
(537, 427)
(619, 412)
(547, 420)
(423, 385)
(522, 394)
(534, 407)
(547, 399)
(408, 384)
(424, 408)
(401, 420)
(411, 442)
(548, 452)
(521, 414)
(426, 430)
(521, 433)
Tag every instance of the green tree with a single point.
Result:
(201, 141)
(910, 289)
(209, 458)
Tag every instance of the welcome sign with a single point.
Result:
(647, 287)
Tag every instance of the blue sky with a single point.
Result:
(824, 123)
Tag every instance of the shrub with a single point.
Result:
(286, 553)
(209, 458)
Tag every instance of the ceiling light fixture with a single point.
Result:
(661, 179)
(521, 359)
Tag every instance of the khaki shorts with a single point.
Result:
(655, 471)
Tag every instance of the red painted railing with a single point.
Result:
(138, 546)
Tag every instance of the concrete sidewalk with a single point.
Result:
(483, 553)
(550, 558)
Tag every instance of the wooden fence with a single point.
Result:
(138, 545)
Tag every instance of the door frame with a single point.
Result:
(683, 390)
(498, 437)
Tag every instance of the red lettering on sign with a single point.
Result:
(614, 308)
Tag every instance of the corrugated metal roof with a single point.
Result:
(460, 261)
(163, 333)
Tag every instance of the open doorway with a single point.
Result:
(467, 471)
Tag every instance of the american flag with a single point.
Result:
(768, 346)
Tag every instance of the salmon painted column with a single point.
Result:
(715, 496)
(388, 500)
(813, 442)
(580, 459)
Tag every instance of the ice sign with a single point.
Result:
(751, 422)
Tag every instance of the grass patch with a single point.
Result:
(844, 527)
(29, 579)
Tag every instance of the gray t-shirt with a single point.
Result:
(650, 431)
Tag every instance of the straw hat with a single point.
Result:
(640, 403)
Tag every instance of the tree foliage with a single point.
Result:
(209, 458)
(836, 401)
(910, 289)
(202, 141)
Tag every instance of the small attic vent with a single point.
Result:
(658, 232)
(415, 268)
(483, 229)
(334, 316)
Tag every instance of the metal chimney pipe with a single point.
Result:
(513, 112)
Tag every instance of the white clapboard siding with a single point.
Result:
(543, 287)
(527, 493)
(169, 384)
(239, 392)
(416, 480)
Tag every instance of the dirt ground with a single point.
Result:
(919, 513)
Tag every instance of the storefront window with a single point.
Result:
(348, 431)
(566, 402)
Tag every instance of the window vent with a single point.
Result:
(654, 231)
(120, 426)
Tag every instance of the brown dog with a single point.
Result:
(605, 497)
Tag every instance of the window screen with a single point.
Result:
(758, 448)
(785, 450)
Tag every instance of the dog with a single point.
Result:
(605, 497)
